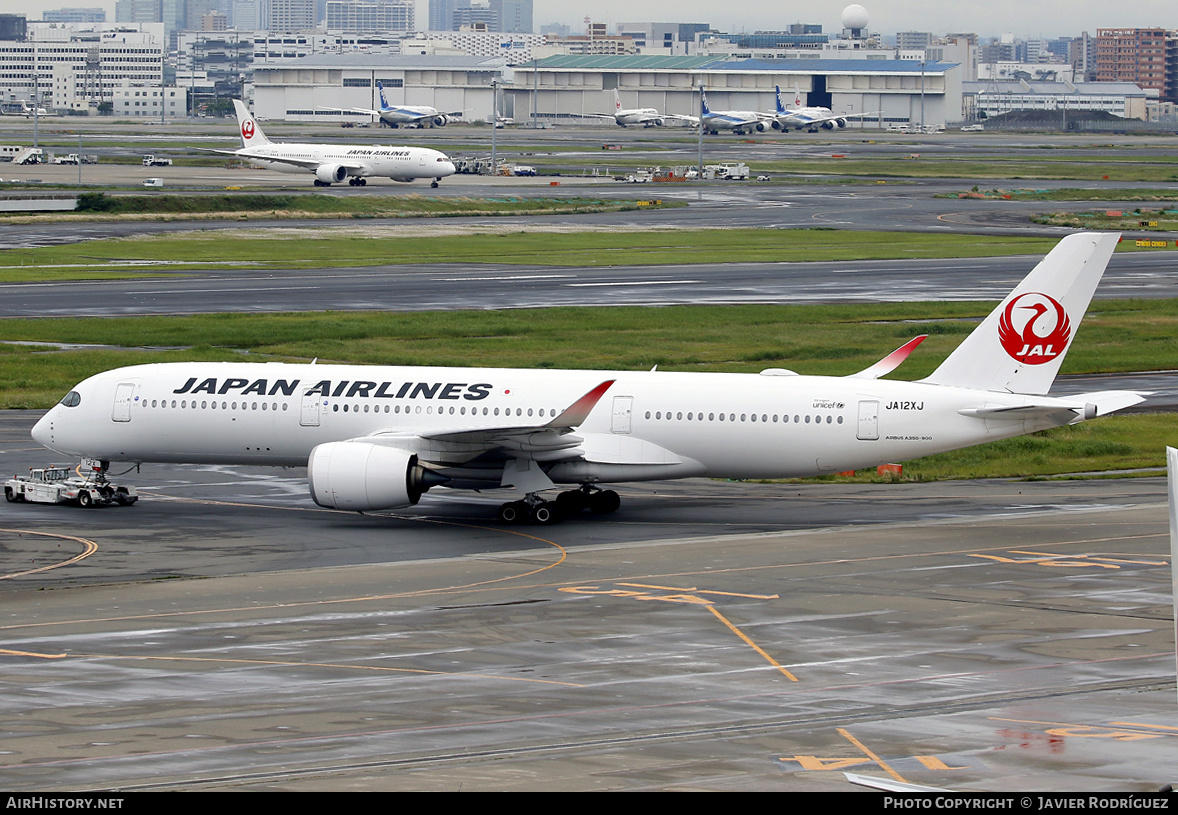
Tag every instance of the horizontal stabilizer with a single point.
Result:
(1068, 410)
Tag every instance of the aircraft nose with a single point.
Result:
(43, 430)
(446, 167)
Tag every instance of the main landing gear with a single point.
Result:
(533, 509)
(357, 182)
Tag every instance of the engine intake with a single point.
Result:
(358, 476)
(331, 173)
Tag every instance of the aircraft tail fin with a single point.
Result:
(777, 97)
(617, 101)
(247, 126)
(703, 103)
(384, 105)
(1020, 347)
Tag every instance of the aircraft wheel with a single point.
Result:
(604, 502)
(361, 182)
(434, 185)
(546, 514)
(512, 512)
(570, 502)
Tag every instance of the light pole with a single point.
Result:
(494, 123)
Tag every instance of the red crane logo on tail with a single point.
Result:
(247, 129)
(1034, 328)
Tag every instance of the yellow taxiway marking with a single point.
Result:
(1119, 731)
(883, 765)
(752, 644)
(89, 547)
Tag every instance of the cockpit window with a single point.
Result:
(71, 399)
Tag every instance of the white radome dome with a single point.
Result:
(855, 17)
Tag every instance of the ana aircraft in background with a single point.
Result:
(738, 121)
(812, 118)
(406, 115)
(647, 117)
(334, 163)
(376, 438)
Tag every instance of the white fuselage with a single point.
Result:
(648, 425)
(412, 114)
(731, 120)
(403, 163)
(638, 116)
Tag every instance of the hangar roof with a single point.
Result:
(650, 62)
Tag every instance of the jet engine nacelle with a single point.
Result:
(657, 122)
(841, 122)
(358, 476)
(441, 120)
(760, 127)
(828, 125)
(331, 173)
(779, 126)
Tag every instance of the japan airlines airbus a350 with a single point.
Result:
(376, 438)
(334, 163)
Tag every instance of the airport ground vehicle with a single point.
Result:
(72, 158)
(57, 484)
(155, 161)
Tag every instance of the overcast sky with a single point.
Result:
(1023, 18)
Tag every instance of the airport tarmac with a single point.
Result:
(225, 633)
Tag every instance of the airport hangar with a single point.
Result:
(567, 89)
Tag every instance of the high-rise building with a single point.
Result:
(1136, 55)
(365, 15)
(74, 15)
(291, 15)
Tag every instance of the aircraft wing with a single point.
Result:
(548, 441)
(693, 120)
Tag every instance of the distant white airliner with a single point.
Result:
(647, 117)
(799, 117)
(334, 163)
(30, 112)
(738, 121)
(375, 437)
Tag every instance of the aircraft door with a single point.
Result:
(309, 413)
(124, 397)
(868, 421)
(623, 408)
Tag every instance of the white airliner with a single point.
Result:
(333, 163)
(397, 115)
(375, 438)
(647, 117)
(738, 121)
(30, 112)
(799, 117)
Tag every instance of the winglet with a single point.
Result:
(576, 413)
(891, 362)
